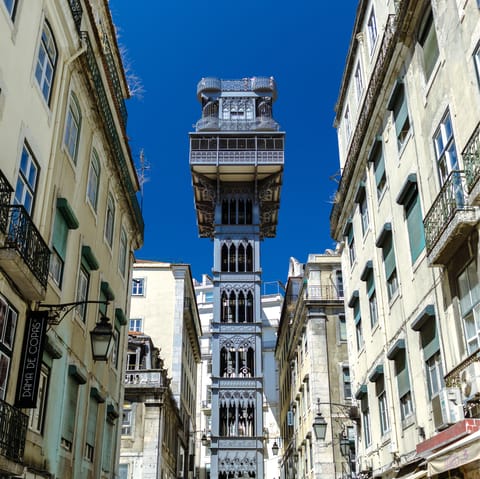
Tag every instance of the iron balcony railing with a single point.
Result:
(244, 84)
(77, 12)
(5, 197)
(111, 130)
(471, 159)
(13, 432)
(144, 378)
(23, 236)
(451, 198)
(260, 123)
(323, 292)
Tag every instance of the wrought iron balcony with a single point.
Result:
(77, 12)
(5, 197)
(324, 292)
(99, 92)
(449, 219)
(13, 432)
(24, 255)
(471, 162)
(257, 124)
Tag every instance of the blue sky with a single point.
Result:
(170, 45)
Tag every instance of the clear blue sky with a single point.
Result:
(171, 45)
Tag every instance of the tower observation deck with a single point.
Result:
(236, 162)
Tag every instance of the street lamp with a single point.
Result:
(320, 427)
(275, 448)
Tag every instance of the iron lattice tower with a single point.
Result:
(236, 161)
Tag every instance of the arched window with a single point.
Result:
(248, 212)
(232, 257)
(224, 265)
(241, 307)
(46, 62)
(224, 311)
(241, 258)
(249, 307)
(225, 212)
(72, 127)
(249, 258)
(232, 318)
(241, 212)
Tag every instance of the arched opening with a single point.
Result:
(241, 258)
(241, 307)
(249, 307)
(249, 258)
(224, 258)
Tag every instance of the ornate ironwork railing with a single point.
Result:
(5, 197)
(324, 292)
(375, 84)
(144, 378)
(23, 236)
(260, 123)
(111, 130)
(244, 84)
(13, 431)
(451, 198)
(471, 159)
(77, 12)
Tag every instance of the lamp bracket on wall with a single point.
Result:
(56, 312)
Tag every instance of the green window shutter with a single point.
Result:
(107, 447)
(401, 371)
(60, 234)
(379, 167)
(356, 312)
(70, 409)
(370, 284)
(102, 307)
(389, 257)
(416, 232)
(429, 337)
(401, 113)
(92, 422)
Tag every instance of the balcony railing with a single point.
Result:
(324, 292)
(260, 123)
(5, 198)
(144, 378)
(471, 159)
(111, 130)
(13, 431)
(77, 12)
(451, 200)
(23, 237)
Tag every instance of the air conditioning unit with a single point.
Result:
(289, 418)
(470, 381)
(447, 407)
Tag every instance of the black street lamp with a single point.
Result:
(101, 338)
(320, 427)
(275, 448)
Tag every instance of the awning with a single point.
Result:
(415, 475)
(458, 454)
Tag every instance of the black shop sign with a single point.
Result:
(31, 359)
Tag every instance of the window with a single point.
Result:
(8, 326)
(123, 471)
(91, 430)
(339, 283)
(122, 257)
(347, 383)
(358, 82)
(398, 106)
(429, 44)
(116, 347)
(361, 199)
(110, 220)
(135, 324)
(386, 243)
(445, 150)
(127, 420)
(476, 59)
(399, 357)
(358, 324)
(342, 327)
(10, 5)
(70, 407)
(347, 124)
(382, 404)
(372, 297)
(372, 32)
(93, 180)
(406, 405)
(376, 157)
(27, 180)
(37, 415)
(351, 244)
(72, 128)
(46, 62)
(469, 296)
(82, 291)
(367, 432)
(138, 286)
(410, 200)
(434, 368)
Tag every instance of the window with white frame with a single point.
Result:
(11, 6)
(83, 282)
(369, 279)
(93, 180)
(116, 347)
(127, 419)
(398, 106)
(72, 127)
(347, 124)
(135, 324)
(403, 382)
(342, 327)
(8, 326)
(339, 283)
(122, 256)
(428, 42)
(372, 32)
(361, 199)
(37, 414)
(347, 383)
(445, 150)
(138, 286)
(90, 439)
(46, 62)
(469, 296)
(110, 220)
(357, 317)
(386, 243)
(123, 471)
(367, 431)
(358, 82)
(351, 243)
(27, 180)
(376, 158)
(435, 378)
(382, 404)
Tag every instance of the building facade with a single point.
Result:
(314, 374)
(151, 417)
(406, 214)
(271, 301)
(236, 161)
(163, 306)
(70, 222)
